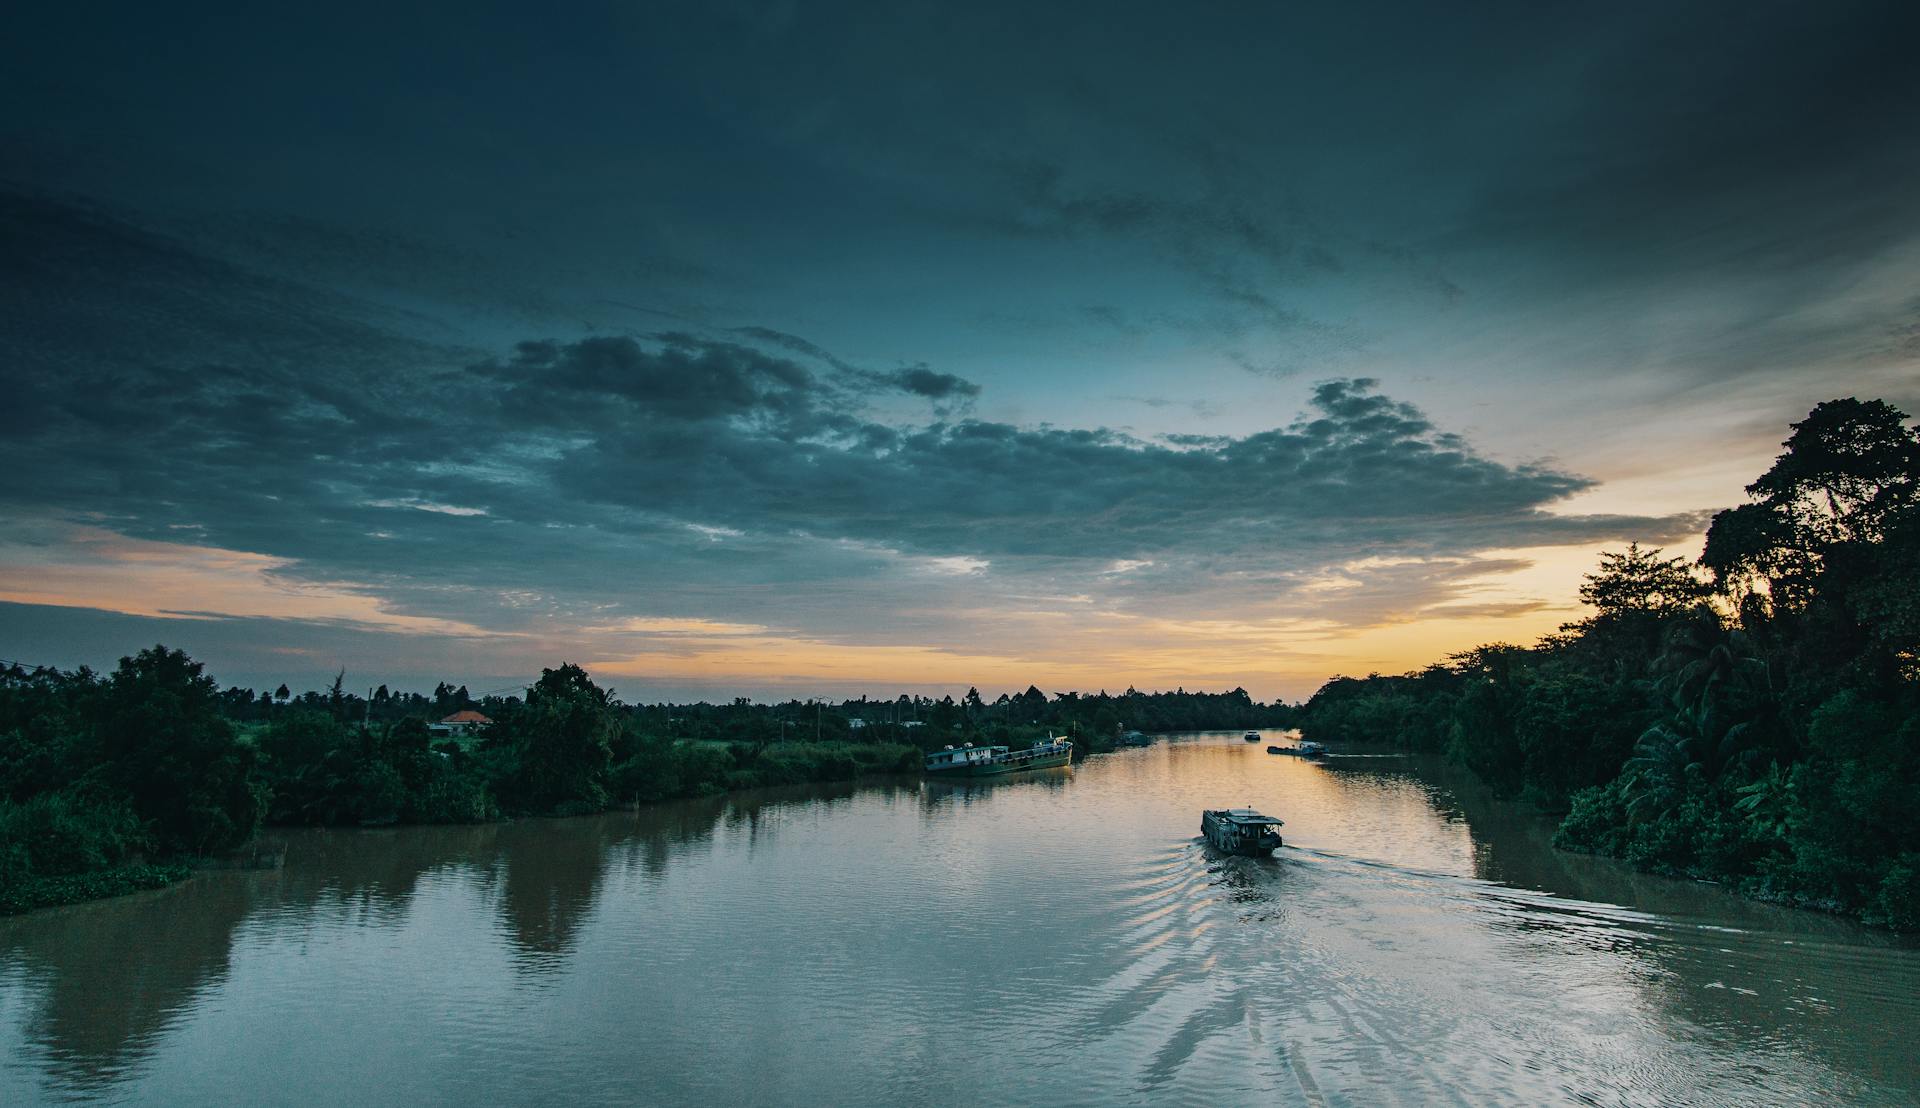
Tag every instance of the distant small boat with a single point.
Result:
(1252, 736)
(1134, 738)
(1304, 750)
(1241, 831)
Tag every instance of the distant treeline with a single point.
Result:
(110, 782)
(1098, 716)
(1754, 718)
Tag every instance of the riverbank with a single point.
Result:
(1751, 717)
(154, 761)
(51, 892)
(746, 767)
(1537, 854)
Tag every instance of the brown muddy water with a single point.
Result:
(1063, 939)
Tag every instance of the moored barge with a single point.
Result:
(993, 761)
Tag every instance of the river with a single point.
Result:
(1064, 939)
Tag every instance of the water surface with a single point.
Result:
(1064, 938)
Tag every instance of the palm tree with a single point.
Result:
(1713, 674)
(1656, 778)
(1691, 749)
(1769, 803)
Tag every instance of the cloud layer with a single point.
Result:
(567, 487)
(1164, 345)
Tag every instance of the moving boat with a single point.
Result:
(1241, 831)
(1304, 750)
(992, 761)
(1252, 736)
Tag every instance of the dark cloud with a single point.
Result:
(603, 471)
(921, 381)
(680, 378)
(373, 347)
(1664, 149)
(918, 380)
(1049, 204)
(1245, 244)
(1291, 186)
(793, 344)
(259, 652)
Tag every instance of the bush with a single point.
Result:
(59, 834)
(455, 795)
(1597, 822)
(44, 892)
(1897, 903)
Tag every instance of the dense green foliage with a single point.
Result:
(44, 892)
(1760, 727)
(97, 774)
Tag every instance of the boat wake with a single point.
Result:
(1317, 977)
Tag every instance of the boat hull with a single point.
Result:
(1244, 851)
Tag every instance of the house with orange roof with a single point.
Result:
(464, 722)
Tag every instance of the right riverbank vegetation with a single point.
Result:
(1753, 718)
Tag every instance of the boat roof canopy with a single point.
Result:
(1249, 816)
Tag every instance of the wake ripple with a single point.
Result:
(1318, 978)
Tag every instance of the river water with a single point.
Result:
(1064, 938)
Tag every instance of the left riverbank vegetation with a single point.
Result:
(116, 782)
(1752, 718)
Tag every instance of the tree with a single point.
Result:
(1665, 766)
(163, 741)
(1887, 603)
(1641, 582)
(310, 765)
(558, 746)
(1849, 473)
(1751, 548)
(1482, 735)
(1849, 468)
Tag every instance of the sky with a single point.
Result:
(800, 349)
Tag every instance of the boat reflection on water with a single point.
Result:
(938, 792)
(1256, 887)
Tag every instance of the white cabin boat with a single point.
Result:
(1241, 831)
